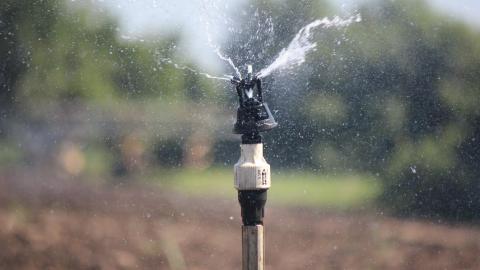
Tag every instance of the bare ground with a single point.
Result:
(50, 222)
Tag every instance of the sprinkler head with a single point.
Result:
(253, 115)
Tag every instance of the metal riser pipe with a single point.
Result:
(253, 247)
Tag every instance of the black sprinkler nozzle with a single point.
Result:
(253, 115)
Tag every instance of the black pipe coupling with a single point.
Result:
(252, 203)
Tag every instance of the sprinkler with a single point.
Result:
(252, 172)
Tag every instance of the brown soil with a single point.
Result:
(47, 222)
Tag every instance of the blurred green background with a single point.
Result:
(384, 113)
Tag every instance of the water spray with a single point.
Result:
(252, 172)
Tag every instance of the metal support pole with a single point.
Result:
(253, 252)
(252, 172)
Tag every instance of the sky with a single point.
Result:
(141, 19)
(146, 15)
(466, 10)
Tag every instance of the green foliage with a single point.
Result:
(66, 54)
(291, 188)
(59, 52)
(397, 94)
(446, 186)
(98, 160)
(430, 87)
(326, 108)
(10, 154)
